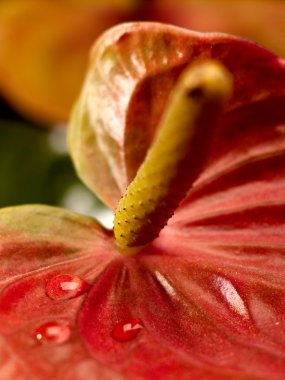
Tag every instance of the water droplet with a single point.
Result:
(53, 332)
(165, 284)
(65, 286)
(125, 331)
(165, 60)
(231, 296)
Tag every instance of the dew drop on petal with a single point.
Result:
(231, 296)
(53, 332)
(65, 286)
(128, 330)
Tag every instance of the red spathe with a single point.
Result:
(209, 292)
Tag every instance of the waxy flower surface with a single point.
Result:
(203, 300)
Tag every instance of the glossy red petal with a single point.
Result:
(242, 186)
(214, 317)
(38, 244)
(118, 297)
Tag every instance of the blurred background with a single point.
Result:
(44, 47)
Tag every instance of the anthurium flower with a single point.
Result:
(163, 112)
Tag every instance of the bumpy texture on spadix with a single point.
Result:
(206, 299)
(177, 156)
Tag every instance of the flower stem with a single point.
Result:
(177, 156)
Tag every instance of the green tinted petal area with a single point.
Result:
(36, 237)
(38, 246)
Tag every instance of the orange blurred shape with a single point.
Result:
(44, 48)
(44, 44)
